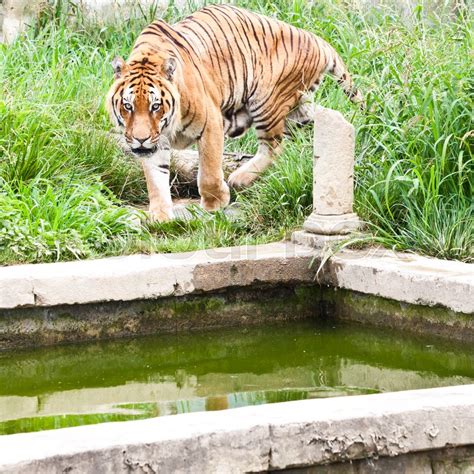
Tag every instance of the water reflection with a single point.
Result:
(156, 376)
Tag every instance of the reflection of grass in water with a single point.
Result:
(288, 395)
(62, 421)
(148, 409)
(242, 399)
(155, 409)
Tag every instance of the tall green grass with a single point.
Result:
(46, 222)
(415, 166)
(66, 189)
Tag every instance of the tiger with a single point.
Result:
(216, 73)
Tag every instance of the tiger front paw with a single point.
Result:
(156, 214)
(213, 200)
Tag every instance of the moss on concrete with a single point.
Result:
(242, 307)
(233, 308)
(382, 312)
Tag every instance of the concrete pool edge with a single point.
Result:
(253, 439)
(152, 276)
(241, 286)
(236, 308)
(402, 277)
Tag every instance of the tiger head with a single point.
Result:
(144, 100)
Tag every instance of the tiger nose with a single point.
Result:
(142, 140)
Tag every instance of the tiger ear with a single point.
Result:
(119, 66)
(169, 68)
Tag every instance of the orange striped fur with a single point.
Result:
(219, 71)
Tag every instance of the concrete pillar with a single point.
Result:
(17, 15)
(333, 187)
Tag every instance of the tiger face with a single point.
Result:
(144, 101)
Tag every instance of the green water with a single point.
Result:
(164, 375)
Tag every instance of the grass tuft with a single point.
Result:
(43, 222)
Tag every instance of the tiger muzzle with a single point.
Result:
(142, 146)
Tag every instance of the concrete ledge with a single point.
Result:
(402, 277)
(141, 294)
(280, 436)
(152, 276)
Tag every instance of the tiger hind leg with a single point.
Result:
(301, 115)
(270, 132)
(268, 149)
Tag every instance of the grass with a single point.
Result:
(67, 191)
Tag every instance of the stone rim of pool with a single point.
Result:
(33, 296)
(399, 276)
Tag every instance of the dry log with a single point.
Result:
(184, 166)
(184, 170)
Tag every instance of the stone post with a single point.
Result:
(333, 187)
(20, 13)
(17, 15)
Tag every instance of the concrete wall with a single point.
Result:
(16, 15)
(439, 461)
(2, 13)
(143, 294)
(104, 11)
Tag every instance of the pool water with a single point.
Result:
(153, 376)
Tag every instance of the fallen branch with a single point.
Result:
(184, 167)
